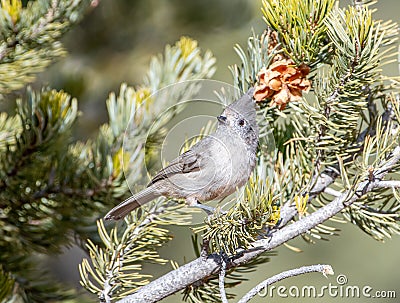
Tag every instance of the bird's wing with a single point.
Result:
(185, 163)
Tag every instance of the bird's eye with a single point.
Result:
(241, 122)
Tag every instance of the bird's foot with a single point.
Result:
(270, 230)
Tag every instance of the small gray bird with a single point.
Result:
(212, 169)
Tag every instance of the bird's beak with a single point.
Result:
(222, 119)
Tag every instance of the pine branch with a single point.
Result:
(29, 37)
(300, 26)
(41, 120)
(202, 267)
(329, 175)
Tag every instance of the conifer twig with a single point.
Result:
(324, 269)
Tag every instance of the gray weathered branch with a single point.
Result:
(221, 283)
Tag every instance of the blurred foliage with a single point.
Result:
(6, 285)
(102, 55)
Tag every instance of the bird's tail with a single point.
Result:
(124, 208)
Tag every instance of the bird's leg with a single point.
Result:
(191, 201)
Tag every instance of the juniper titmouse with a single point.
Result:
(213, 168)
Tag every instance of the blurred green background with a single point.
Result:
(114, 44)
